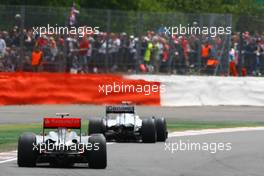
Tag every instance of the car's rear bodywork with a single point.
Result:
(121, 123)
(62, 145)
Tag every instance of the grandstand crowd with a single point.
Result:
(153, 52)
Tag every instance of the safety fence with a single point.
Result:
(127, 42)
(130, 42)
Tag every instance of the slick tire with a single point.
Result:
(96, 126)
(97, 157)
(26, 154)
(148, 130)
(161, 127)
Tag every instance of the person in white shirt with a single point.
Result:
(2, 47)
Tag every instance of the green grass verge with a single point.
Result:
(9, 133)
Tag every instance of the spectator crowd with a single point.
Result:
(153, 52)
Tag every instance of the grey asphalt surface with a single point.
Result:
(28, 114)
(245, 159)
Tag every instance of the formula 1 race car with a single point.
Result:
(121, 124)
(62, 147)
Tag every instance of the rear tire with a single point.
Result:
(148, 131)
(161, 127)
(97, 156)
(26, 156)
(96, 126)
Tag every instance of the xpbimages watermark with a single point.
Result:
(62, 30)
(115, 87)
(187, 145)
(212, 31)
(52, 147)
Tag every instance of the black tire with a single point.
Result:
(96, 126)
(148, 131)
(26, 156)
(161, 127)
(97, 157)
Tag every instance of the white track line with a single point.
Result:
(175, 134)
(8, 156)
(8, 160)
(213, 131)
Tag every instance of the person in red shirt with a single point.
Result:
(84, 47)
(186, 49)
(42, 41)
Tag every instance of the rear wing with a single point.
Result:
(120, 109)
(50, 122)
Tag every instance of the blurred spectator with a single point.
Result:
(36, 59)
(84, 47)
(73, 13)
(147, 54)
(261, 55)
(250, 50)
(114, 52)
(206, 49)
(2, 47)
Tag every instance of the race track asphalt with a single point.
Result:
(30, 113)
(246, 158)
(127, 159)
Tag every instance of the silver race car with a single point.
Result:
(62, 146)
(122, 124)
